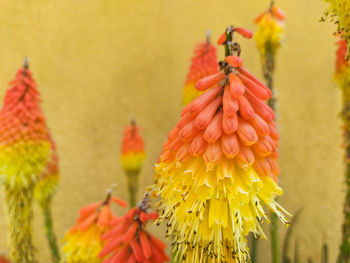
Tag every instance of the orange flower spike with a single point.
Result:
(246, 132)
(236, 85)
(204, 117)
(235, 139)
(84, 241)
(130, 242)
(230, 104)
(210, 81)
(214, 130)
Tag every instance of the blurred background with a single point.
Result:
(98, 63)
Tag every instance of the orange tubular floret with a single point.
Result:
(234, 61)
(222, 39)
(183, 153)
(204, 117)
(132, 259)
(273, 132)
(119, 201)
(256, 89)
(246, 132)
(188, 132)
(259, 125)
(230, 104)
(277, 12)
(198, 145)
(236, 85)
(185, 120)
(146, 248)
(210, 81)
(245, 156)
(203, 100)
(230, 145)
(212, 155)
(244, 32)
(230, 123)
(257, 20)
(103, 219)
(131, 232)
(136, 249)
(262, 147)
(214, 130)
(243, 71)
(245, 109)
(262, 166)
(89, 209)
(110, 247)
(260, 108)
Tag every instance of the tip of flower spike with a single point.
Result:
(26, 63)
(231, 29)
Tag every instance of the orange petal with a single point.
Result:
(132, 259)
(257, 20)
(273, 132)
(88, 221)
(262, 147)
(146, 248)
(222, 39)
(236, 85)
(245, 156)
(130, 214)
(173, 133)
(246, 132)
(245, 109)
(203, 100)
(198, 145)
(244, 32)
(259, 91)
(230, 123)
(183, 154)
(119, 201)
(243, 71)
(110, 246)
(136, 249)
(122, 255)
(175, 144)
(103, 218)
(184, 120)
(205, 116)
(275, 170)
(230, 145)
(214, 129)
(167, 156)
(234, 61)
(260, 107)
(131, 232)
(188, 132)
(89, 209)
(262, 166)
(212, 155)
(209, 81)
(278, 13)
(259, 125)
(230, 104)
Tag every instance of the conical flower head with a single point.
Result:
(46, 186)
(204, 63)
(133, 153)
(219, 166)
(83, 242)
(24, 139)
(270, 31)
(128, 241)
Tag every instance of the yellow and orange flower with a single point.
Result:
(204, 63)
(133, 153)
(342, 69)
(83, 242)
(24, 139)
(270, 33)
(219, 166)
(128, 241)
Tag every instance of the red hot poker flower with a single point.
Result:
(128, 241)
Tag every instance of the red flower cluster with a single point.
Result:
(21, 117)
(129, 242)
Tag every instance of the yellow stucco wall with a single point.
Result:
(98, 62)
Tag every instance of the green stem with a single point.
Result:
(268, 70)
(19, 203)
(50, 233)
(344, 250)
(133, 186)
(254, 250)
